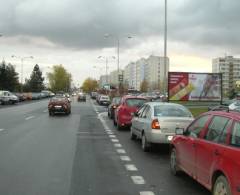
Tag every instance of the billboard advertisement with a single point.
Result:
(184, 86)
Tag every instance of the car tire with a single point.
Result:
(173, 163)
(145, 144)
(132, 135)
(114, 122)
(119, 128)
(51, 113)
(221, 184)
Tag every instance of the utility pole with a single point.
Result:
(165, 49)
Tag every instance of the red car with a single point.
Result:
(59, 105)
(209, 151)
(124, 113)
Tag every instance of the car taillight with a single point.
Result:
(114, 106)
(155, 124)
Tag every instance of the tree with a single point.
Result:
(59, 79)
(8, 77)
(144, 86)
(89, 85)
(35, 83)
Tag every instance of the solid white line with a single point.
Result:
(114, 140)
(118, 145)
(131, 167)
(138, 180)
(147, 193)
(125, 158)
(30, 117)
(112, 136)
(121, 151)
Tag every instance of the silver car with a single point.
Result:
(156, 122)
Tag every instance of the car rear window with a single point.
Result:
(171, 111)
(135, 102)
(58, 99)
(105, 98)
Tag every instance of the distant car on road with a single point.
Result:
(104, 100)
(81, 97)
(209, 151)
(114, 104)
(94, 95)
(124, 113)
(59, 104)
(7, 97)
(155, 123)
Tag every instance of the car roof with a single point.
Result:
(231, 114)
(133, 97)
(162, 103)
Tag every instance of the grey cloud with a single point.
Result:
(82, 24)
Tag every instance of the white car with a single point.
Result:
(104, 100)
(235, 105)
(156, 122)
(7, 97)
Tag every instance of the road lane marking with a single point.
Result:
(125, 158)
(131, 167)
(147, 193)
(30, 117)
(138, 180)
(110, 133)
(121, 151)
(2, 130)
(45, 111)
(114, 140)
(118, 145)
(112, 136)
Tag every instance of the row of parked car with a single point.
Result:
(7, 97)
(207, 148)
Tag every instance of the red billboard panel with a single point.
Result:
(183, 86)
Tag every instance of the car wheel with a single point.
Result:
(132, 135)
(114, 122)
(145, 144)
(119, 128)
(221, 186)
(51, 113)
(173, 162)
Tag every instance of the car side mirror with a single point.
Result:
(179, 131)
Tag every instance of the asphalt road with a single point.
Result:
(80, 154)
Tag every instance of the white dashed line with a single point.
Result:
(147, 193)
(112, 136)
(1, 130)
(121, 151)
(131, 167)
(45, 111)
(30, 117)
(125, 158)
(110, 133)
(138, 180)
(118, 145)
(114, 140)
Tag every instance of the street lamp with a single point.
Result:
(118, 47)
(165, 48)
(22, 59)
(106, 58)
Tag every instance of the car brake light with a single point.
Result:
(155, 124)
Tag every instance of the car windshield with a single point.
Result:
(171, 111)
(135, 102)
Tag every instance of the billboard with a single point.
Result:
(184, 86)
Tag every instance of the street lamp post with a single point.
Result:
(165, 49)
(118, 51)
(22, 59)
(106, 58)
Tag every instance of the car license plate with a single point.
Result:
(170, 138)
(58, 107)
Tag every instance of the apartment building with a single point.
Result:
(230, 69)
(104, 79)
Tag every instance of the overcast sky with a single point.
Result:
(71, 32)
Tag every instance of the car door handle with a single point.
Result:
(216, 152)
